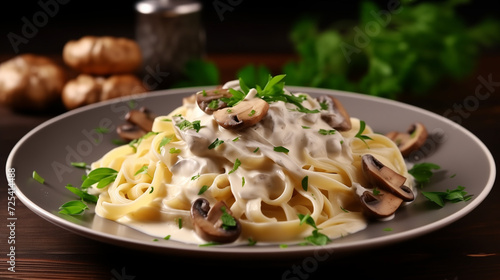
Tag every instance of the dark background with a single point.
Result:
(254, 26)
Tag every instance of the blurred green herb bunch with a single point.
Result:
(404, 48)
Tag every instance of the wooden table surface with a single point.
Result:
(466, 249)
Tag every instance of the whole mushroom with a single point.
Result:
(31, 82)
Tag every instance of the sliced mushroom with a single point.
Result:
(142, 118)
(410, 141)
(129, 132)
(335, 115)
(381, 205)
(209, 100)
(208, 222)
(242, 115)
(385, 178)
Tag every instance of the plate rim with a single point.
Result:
(220, 251)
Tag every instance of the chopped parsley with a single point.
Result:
(142, 170)
(103, 176)
(237, 164)
(360, 136)
(73, 207)
(422, 172)
(38, 178)
(195, 177)
(326, 132)
(164, 141)
(134, 144)
(305, 183)
(281, 149)
(215, 144)
(228, 221)
(454, 196)
(316, 238)
(82, 165)
(256, 150)
(83, 195)
(203, 189)
(174, 150)
(273, 91)
(185, 124)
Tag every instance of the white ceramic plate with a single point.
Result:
(70, 137)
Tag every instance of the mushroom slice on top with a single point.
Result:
(410, 141)
(242, 115)
(129, 132)
(381, 205)
(385, 178)
(142, 118)
(335, 115)
(211, 223)
(209, 100)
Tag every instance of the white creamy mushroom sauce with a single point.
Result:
(283, 126)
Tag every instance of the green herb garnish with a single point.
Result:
(281, 149)
(422, 172)
(237, 164)
(164, 141)
(103, 176)
(174, 150)
(228, 221)
(316, 238)
(142, 170)
(359, 134)
(326, 132)
(82, 165)
(215, 144)
(305, 183)
(82, 194)
(73, 207)
(38, 178)
(203, 189)
(453, 196)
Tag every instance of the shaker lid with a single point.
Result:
(168, 7)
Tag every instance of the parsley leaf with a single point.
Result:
(74, 207)
(454, 196)
(203, 189)
(237, 164)
(316, 238)
(103, 176)
(38, 178)
(359, 134)
(83, 195)
(281, 149)
(228, 221)
(326, 132)
(305, 183)
(215, 144)
(142, 170)
(422, 172)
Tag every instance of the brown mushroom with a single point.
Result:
(209, 100)
(410, 141)
(129, 132)
(143, 118)
(242, 115)
(335, 115)
(385, 178)
(209, 224)
(380, 205)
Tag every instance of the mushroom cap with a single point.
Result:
(382, 205)
(208, 223)
(204, 99)
(335, 115)
(242, 115)
(410, 141)
(385, 178)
